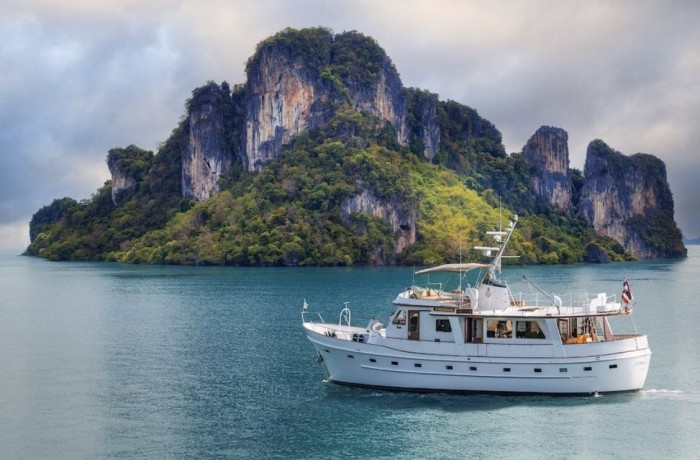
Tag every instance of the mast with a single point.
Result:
(501, 239)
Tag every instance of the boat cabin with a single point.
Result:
(445, 324)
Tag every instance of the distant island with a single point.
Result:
(688, 241)
(322, 157)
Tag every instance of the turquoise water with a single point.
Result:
(115, 361)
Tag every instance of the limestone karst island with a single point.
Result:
(322, 157)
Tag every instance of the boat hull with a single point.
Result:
(377, 366)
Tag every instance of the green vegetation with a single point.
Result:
(90, 229)
(290, 212)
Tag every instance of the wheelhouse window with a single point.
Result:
(499, 328)
(399, 318)
(528, 330)
(443, 325)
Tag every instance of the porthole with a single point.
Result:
(537, 369)
(613, 366)
(372, 360)
(587, 368)
(351, 356)
(449, 368)
(506, 369)
(417, 365)
(472, 368)
(563, 369)
(394, 363)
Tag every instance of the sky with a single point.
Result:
(79, 77)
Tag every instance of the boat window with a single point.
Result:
(475, 332)
(528, 330)
(563, 325)
(498, 328)
(442, 325)
(413, 328)
(399, 318)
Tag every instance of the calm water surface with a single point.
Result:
(116, 361)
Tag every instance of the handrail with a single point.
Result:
(344, 313)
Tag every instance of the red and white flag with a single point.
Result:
(626, 292)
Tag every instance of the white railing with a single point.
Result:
(580, 303)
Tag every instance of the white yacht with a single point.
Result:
(486, 339)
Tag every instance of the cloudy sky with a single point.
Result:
(79, 77)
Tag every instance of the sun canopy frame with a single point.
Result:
(452, 268)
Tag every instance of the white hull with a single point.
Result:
(623, 368)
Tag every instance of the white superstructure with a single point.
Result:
(486, 339)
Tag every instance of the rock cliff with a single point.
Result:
(283, 99)
(548, 151)
(127, 167)
(293, 86)
(122, 183)
(297, 81)
(402, 220)
(210, 148)
(424, 134)
(628, 199)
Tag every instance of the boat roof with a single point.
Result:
(453, 268)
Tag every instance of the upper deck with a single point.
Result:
(519, 305)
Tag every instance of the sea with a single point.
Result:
(109, 361)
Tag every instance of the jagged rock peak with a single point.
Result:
(628, 199)
(423, 108)
(298, 78)
(210, 149)
(127, 167)
(548, 151)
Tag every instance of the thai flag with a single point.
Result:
(626, 292)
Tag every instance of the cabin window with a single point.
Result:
(563, 325)
(528, 330)
(443, 325)
(413, 328)
(399, 318)
(498, 328)
(475, 333)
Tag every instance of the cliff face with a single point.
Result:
(628, 199)
(127, 167)
(383, 98)
(548, 151)
(209, 151)
(122, 183)
(288, 92)
(282, 99)
(424, 128)
(403, 221)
